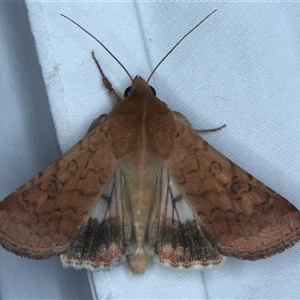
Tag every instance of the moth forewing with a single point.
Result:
(42, 217)
(239, 215)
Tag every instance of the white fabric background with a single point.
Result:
(28, 144)
(241, 67)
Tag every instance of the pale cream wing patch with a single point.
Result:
(173, 236)
(108, 236)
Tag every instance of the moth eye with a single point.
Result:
(128, 90)
(152, 90)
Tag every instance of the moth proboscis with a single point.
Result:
(143, 184)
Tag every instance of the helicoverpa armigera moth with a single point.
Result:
(143, 184)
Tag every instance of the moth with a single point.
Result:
(143, 184)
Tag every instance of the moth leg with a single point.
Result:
(106, 82)
(183, 120)
(210, 130)
(97, 122)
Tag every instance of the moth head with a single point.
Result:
(139, 85)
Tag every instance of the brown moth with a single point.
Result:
(143, 184)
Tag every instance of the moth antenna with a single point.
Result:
(178, 44)
(100, 44)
